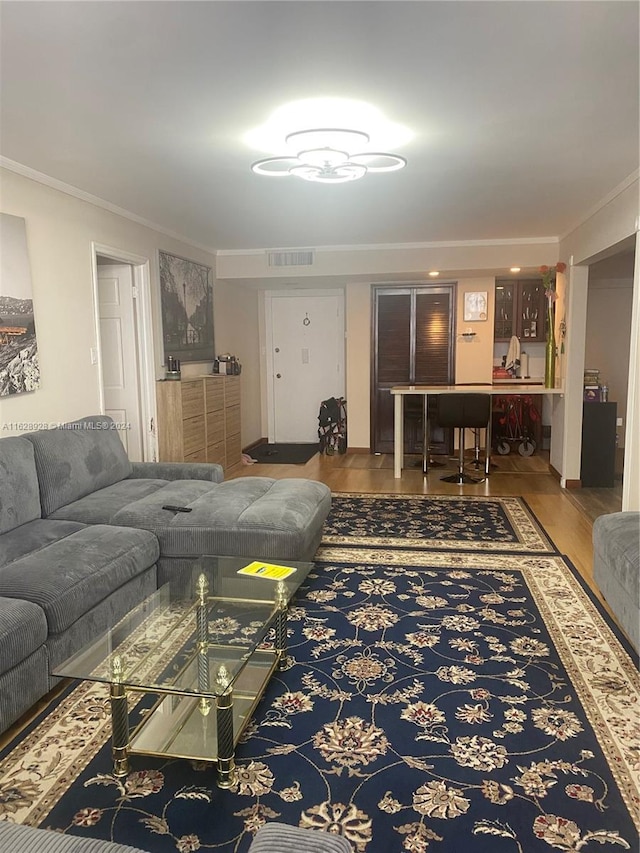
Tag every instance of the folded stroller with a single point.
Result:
(332, 426)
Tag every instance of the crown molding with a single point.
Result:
(96, 201)
(383, 247)
(616, 191)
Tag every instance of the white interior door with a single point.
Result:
(119, 353)
(305, 339)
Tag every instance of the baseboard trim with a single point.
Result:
(573, 484)
(358, 450)
(254, 444)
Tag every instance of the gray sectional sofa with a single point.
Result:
(84, 532)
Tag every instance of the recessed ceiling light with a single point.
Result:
(434, 273)
(514, 269)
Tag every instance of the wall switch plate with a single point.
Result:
(618, 421)
(94, 355)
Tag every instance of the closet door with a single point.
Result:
(412, 345)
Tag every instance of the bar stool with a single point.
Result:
(463, 411)
(416, 417)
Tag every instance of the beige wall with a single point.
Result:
(607, 339)
(474, 356)
(358, 364)
(394, 262)
(236, 329)
(615, 221)
(60, 231)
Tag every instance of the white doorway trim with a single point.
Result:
(144, 326)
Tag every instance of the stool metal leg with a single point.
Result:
(460, 478)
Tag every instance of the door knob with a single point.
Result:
(277, 349)
(278, 376)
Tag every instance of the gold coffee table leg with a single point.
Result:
(281, 625)
(224, 724)
(119, 720)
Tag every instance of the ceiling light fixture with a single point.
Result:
(514, 269)
(328, 156)
(434, 273)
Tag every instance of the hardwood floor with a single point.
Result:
(566, 516)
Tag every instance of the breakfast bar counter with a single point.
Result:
(501, 388)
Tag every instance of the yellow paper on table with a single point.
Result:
(267, 570)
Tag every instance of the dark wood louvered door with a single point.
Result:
(412, 345)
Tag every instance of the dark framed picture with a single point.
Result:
(186, 292)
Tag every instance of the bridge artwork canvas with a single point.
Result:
(19, 366)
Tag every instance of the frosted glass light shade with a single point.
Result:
(329, 156)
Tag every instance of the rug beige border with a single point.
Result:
(530, 535)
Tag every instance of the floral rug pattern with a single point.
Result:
(451, 522)
(459, 701)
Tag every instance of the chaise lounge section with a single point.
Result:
(85, 476)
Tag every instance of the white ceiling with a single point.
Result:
(524, 114)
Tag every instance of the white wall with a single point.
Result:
(60, 231)
(474, 356)
(616, 220)
(607, 339)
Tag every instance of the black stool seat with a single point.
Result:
(463, 411)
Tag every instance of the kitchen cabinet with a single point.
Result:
(520, 309)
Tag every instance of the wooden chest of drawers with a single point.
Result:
(199, 420)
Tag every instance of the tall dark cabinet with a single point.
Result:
(412, 344)
(598, 463)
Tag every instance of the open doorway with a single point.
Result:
(124, 352)
(607, 349)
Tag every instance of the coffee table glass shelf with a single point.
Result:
(206, 643)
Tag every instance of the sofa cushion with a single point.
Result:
(33, 536)
(23, 629)
(281, 838)
(76, 573)
(17, 838)
(101, 507)
(76, 459)
(249, 516)
(19, 491)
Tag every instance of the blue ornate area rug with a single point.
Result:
(454, 701)
(435, 521)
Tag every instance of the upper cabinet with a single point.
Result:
(520, 309)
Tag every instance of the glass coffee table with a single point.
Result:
(206, 644)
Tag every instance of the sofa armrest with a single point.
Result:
(177, 471)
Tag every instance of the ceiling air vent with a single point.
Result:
(302, 258)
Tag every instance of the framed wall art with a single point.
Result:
(475, 306)
(19, 364)
(186, 292)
